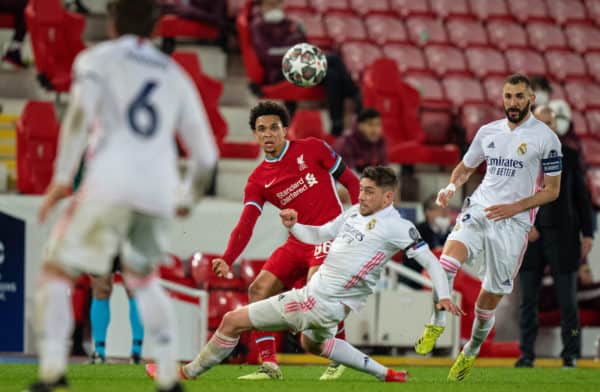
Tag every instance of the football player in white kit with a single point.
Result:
(126, 102)
(364, 238)
(523, 158)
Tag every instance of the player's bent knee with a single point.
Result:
(457, 250)
(102, 287)
(235, 322)
(311, 346)
(257, 291)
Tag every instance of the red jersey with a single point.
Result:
(299, 178)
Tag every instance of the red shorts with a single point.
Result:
(292, 260)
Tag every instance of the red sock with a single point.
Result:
(267, 348)
(341, 334)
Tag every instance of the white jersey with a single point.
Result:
(133, 99)
(361, 248)
(516, 162)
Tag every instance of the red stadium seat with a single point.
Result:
(461, 90)
(490, 9)
(206, 279)
(358, 55)
(525, 61)
(370, 7)
(37, 137)
(593, 10)
(221, 302)
(583, 95)
(426, 31)
(580, 125)
(445, 60)
(7, 21)
(384, 29)
(210, 91)
(397, 102)
(558, 92)
(565, 65)
(583, 38)
(297, 5)
(315, 28)
(590, 149)
(506, 34)
(173, 26)
(544, 36)
(429, 87)
(473, 116)
(409, 8)
(282, 90)
(407, 57)
(447, 8)
(56, 38)
(383, 89)
(328, 6)
(593, 177)
(493, 90)
(345, 28)
(593, 122)
(592, 61)
(308, 123)
(567, 11)
(525, 13)
(484, 62)
(464, 32)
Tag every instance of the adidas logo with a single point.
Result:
(506, 282)
(491, 145)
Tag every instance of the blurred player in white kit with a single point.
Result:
(126, 102)
(364, 238)
(524, 164)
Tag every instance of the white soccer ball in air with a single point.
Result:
(304, 65)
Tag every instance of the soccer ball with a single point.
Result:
(304, 65)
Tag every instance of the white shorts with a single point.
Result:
(503, 244)
(298, 311)
(89, 234)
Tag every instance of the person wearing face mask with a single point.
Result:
(564, 124)
(434, 230)
(561, 237)
(273, 33)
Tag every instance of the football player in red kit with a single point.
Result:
(298, 174)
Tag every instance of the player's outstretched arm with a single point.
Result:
(548, 193)
(439, 280)
(241, 234)
(310, 234)
(460, 175)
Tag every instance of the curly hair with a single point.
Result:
(269, 108)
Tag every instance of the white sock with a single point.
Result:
(482, 325)
(216, 350)
(343, 352)
(54, 315)
(450, 265)
(160, 326)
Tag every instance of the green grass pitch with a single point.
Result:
(130, 378)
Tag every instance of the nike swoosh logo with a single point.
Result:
(270, 183)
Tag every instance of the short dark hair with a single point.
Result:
(540, 82)
(136, 17)
(367, 114)
(269, 108)
(429, 203)
(382, 176)
(518, 78)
